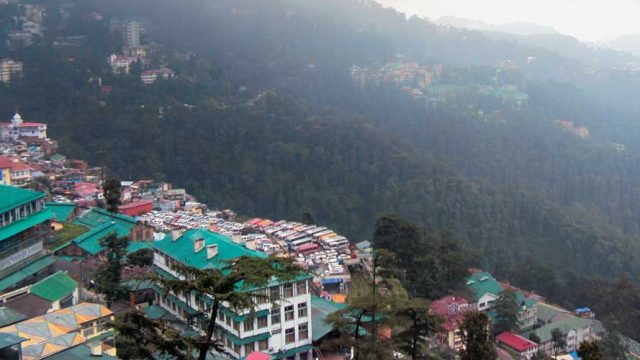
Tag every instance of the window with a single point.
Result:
(236, 325)
(263, 345)
(261, 296)
(262, 322)
(288, 313)
(303, 331)
(221, 316)
(290, 335)
(288, 290)
(275, 316)
(228, 320)
(274, 292)
(236, 348)
(302, 287)
(302, 310)
(248, 325)
(248, 349)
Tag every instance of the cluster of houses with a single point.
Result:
(134, 52)
(536, 319)
(28, 24)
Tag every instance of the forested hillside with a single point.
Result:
(265, 118)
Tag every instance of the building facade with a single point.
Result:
(10, 69)
(282, 329)
(24, 225)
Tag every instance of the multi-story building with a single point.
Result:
(120, 64)
(24, 224)
(451, 309)
(21, 175)
(10, 69)
(132, 35)
(281, 329)
(5, 170)
(150, 76)
(17, 128)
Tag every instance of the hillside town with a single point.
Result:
(57, 221)
(53, 227)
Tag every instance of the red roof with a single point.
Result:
(135, 204)
(20, 166)
(31, 124)
(5, 163)
(516, 342)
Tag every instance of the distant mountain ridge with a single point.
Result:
(514, 28)
(629, 43)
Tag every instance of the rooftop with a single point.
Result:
(54, 287)
(61, 211)
(182, 249)
(12, 197)
(55, 332)
(23, 224)
(516, 342)
(10, 316)
(320, 309)
(25, 272)
(482, 283)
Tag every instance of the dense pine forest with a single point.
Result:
(264, 117)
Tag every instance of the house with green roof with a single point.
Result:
(102, 224)
(59, 289)
(281, 329)
(575, 329)
(485, 289)
(63, 212)
(24, 225)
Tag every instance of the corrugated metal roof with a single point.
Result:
(54, 287)
(12, 197)
(21, 225)
(23, 273)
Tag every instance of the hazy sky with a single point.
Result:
(590, 20)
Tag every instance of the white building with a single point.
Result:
(10, 69)
(120, 64)
(282, 329)
(132, 35)
(17, 128)
(151, 76)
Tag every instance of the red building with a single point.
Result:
(136, 208)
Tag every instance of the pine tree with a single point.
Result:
(477, 339)
(111, 190)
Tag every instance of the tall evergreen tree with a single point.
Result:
(112, 191)
(476, 336)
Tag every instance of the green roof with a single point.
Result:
(97, 217)
(57, 157)
(182, 249)
(12, 197)
(549, 313)
(247, 340)
(156, 312)
(566, 324)
(320, 309)
(285, 354)
(61, 211)
(21, 225)
(7, 340)
(482, 283)
(55, 287)
(10, 316)
(91, 240)
(25, 272)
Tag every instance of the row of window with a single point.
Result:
(20, 212)
(290, 333)
(262, 321)
(285, 291)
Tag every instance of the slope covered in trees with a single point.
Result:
(263, 117)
